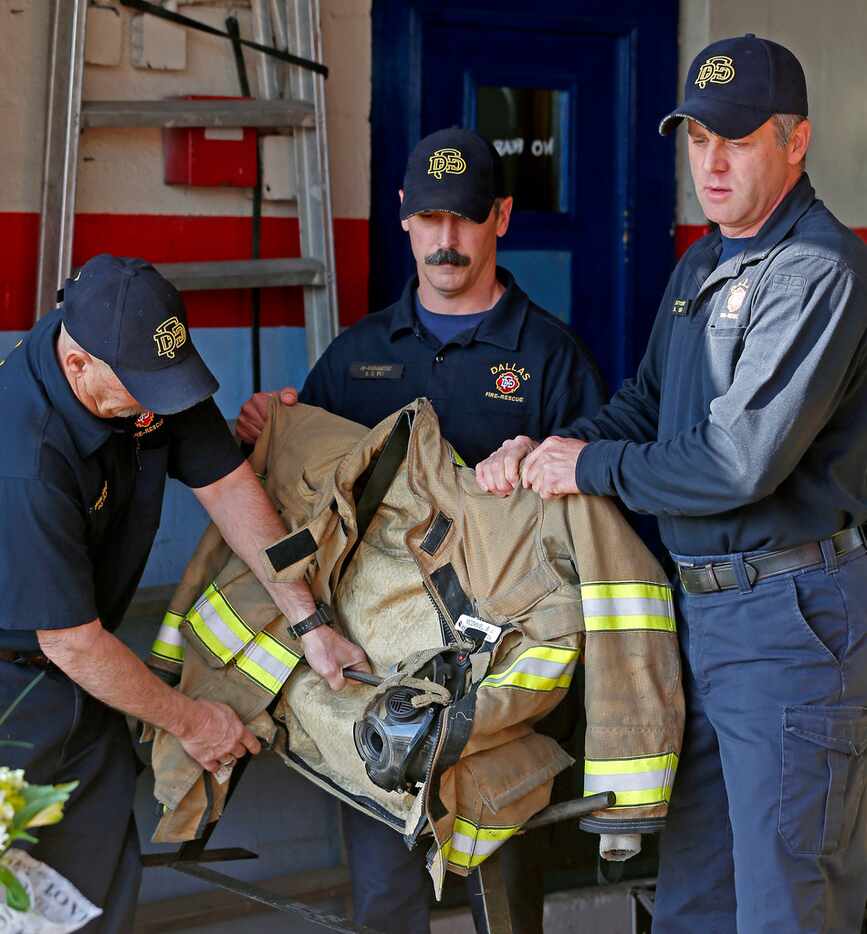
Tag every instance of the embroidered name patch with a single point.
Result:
(376, 370)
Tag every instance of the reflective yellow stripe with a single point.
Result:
(610, 607)
(169, 642)
(267, 662)
(470, 845)
(221, 630)
(626, 589)
(636, 782)
(630, 766)
(456, 458)
(540, 668)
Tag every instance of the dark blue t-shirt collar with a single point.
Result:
(706, 265)
(731, 246)
(447, 329)
(87, 431)
(501, 326)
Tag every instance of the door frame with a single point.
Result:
(646, 90)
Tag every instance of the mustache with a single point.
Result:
(447, 258)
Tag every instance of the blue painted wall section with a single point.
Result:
(546, 276)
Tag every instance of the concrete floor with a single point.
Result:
(609, 910)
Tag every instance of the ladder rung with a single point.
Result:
(243, 273)
(207, 113)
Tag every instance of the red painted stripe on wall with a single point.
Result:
(179, 238)
(685, 235)
(19, 234)
(182, 238)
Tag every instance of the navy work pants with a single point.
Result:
(76, 738)
(391, 888)
(767, 830)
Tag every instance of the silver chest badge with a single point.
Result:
(735, 298)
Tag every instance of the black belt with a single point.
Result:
(710, 578)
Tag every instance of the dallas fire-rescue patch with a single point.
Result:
(147, 423)
(509, 379)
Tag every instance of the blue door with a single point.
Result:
(570, 94)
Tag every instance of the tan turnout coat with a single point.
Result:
(567, 581)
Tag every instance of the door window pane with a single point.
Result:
(528, 128)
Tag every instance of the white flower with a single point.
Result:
(12, 779)
(7, 812)
(11, 783)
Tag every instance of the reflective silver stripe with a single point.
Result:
(474, 845)
(213, 621)
(171, 634)
(626, 606)
(266, 660)
(532, 666)
(634, 781)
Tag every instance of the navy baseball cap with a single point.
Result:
(453, 170)
(736, 85)
(125, 313)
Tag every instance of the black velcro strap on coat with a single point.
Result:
(293, 548)
(379, 478)
(445, 579)
(387, 464)
(436, 534)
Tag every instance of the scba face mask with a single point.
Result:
(397, 740)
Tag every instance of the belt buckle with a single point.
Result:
(708, 568)
(713, 583)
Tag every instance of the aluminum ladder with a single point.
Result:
(284, 24)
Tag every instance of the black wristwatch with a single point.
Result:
(320, 617)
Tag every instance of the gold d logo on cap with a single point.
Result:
(169, 337)
(449, 161)
(718, 69)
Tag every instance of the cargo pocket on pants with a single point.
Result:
(822, 777)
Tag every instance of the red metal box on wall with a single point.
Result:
(209, 156)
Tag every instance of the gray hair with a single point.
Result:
(785, 125)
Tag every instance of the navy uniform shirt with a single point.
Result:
(746, 426)
(518, 371)
(81, 496)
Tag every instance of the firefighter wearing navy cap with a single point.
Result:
(100, 402)
(745, 432)
(493, 364)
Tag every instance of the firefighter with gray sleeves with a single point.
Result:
(745, 432)
(103, 399)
